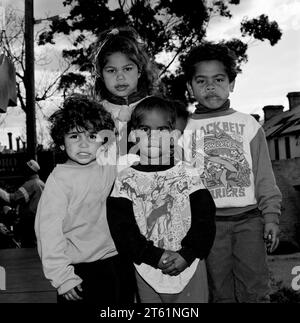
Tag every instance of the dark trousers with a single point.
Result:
(108, 281)
(237, 263)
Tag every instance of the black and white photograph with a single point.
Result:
(149, 155)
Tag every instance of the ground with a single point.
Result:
(285, 283)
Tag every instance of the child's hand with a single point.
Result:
(175, 264)
(271, 236)
(73, 294)
(164, 260)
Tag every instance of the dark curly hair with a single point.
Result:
(78, 111)
(152, 103)
(126, 41)
(208, 51)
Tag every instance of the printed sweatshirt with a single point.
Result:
(237, 167)
(71, 225)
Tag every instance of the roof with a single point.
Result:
(284, 123)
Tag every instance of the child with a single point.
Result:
(239, 175)
(124, 76)
(160, 216)
(77, 252)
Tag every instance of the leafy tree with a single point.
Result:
(170, 26)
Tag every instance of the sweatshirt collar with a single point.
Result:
(132, 98)
(202, 109)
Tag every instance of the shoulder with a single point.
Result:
(125, 173)
(109, 106)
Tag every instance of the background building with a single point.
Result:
(282, 130)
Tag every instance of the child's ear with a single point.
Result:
(231, 86)
(190, 90)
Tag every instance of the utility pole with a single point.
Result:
(29, 81)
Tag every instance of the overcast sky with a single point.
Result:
(270, 73)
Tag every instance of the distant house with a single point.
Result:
(282, 130)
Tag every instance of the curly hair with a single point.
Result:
(78, 111)
(152, 103)
(126, 41)
(210, 51)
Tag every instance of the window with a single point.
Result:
(276, 144)
(287, 147)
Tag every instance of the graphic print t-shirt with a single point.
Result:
(162, 211)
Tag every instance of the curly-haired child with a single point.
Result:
(78, 254)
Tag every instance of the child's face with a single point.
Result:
(120, 75)
(81, 146)
(154, 136)
(210, 84)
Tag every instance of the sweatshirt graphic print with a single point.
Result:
(227, 158)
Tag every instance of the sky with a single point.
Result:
(269, 75)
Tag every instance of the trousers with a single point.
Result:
(237, 263)
(104, 282)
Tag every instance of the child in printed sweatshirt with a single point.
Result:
(238, 173)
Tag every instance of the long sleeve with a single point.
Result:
(126, 233)
(21, 195)
(267, 192)
(4, 195)
(200, 237)
(51, 241)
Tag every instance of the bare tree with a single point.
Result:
(13, 46)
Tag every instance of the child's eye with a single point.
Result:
(109, 70)
(219, 80)
(93, 136)
(73, 136)
(165, 129)
(145, 129)
(128, 68)
(200, 81)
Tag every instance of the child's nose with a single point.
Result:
(120, 75)
(210, 86)
(83, 143)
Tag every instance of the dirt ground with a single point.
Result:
(281, 268)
